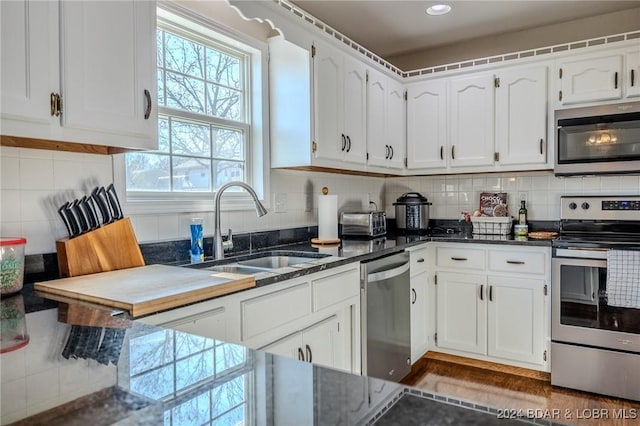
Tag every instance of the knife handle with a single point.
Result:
(80, 216)
(61, 212)
(114, 202)
(99, 195)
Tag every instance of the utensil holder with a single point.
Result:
(108, 248)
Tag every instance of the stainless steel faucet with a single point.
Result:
(219, 247)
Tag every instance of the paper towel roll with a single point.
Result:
(327, 217)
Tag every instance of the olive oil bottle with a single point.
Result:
(522, 213)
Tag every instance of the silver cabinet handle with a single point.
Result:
(415, 296)
(481, 291)
(147, 112)
(309, 353)
(459, 258)
(515, 262)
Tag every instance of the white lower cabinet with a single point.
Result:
(419, 302)
(314, 318)
(318, 343)
(498, 310)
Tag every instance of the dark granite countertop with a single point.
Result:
(140, 374)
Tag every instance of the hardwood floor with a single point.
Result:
(513, 389)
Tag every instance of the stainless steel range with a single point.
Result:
(595, 312)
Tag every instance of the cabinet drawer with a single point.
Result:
(264, 313)
(335, 288)
(418, 259)
(462, 258)
(516, 261)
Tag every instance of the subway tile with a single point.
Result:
(539, 183)
(9, 151)
(556, 183)
(10, 208)
(37, 206)
(145, 227)
(10, 172)
(36, 153)
(525, 183)
(36, 173)
(39, 237)
(172, 227)
(14, 366)
(573, 186)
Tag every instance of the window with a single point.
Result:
(210, 108)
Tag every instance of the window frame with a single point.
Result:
(256, 104)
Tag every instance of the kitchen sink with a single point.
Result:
(260, 262)
(276, 261)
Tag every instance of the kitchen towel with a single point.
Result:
(623, 278)
(327, 217)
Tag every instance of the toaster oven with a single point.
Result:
(364, 224)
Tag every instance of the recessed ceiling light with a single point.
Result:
(438, 9)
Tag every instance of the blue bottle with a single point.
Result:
(197, 249)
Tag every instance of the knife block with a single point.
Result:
(108, 248)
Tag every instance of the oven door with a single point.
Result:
(580, 312)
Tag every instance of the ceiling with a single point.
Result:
(389, 28)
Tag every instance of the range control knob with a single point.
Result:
(573, 206)
(585, 206)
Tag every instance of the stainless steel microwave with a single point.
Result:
(602, 139)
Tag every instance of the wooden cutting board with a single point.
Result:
(147, 289)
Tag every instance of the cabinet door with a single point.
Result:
(396, 118)
(320, 343)
(427, 134)
(461, 312)
(516, 319)
(108, 62)
(472, 121)
(590, 79)
(521, 111)
(419, 329)
(29, 63)
(377, 141)
(355, 110)
(386, 121)
(633, 74)
(327, 94)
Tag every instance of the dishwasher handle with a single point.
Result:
(387, 274)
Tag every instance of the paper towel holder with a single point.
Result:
(325, 241)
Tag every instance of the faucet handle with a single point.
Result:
(228, 245)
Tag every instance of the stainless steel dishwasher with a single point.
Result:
(386, 332)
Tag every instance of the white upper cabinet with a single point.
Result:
(590, 78)
(521, 116)
(108, 67)
(80, 71)
(427, 131)
(29, 54)
(340, 90)
(386, 125)
(632, 71)
(472, 120)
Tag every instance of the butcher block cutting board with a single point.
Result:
(147, 289)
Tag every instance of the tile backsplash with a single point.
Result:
(33, 183)
(452, 194)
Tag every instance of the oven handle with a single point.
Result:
(585, 253)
